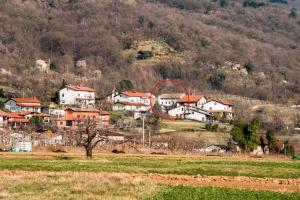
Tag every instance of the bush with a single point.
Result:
(253, 4)
(124, 85)
(212, 127)
(216, 81)
(249, 66)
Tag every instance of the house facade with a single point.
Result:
(75, 116)
(169, 101)
(24, 104)
(77, 95)
(219, 107)
(131, 101)
(190, 112)
(192, 100)
(104, 118)
(15, 120)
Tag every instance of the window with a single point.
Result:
(210, 108)
(78, 116)
(182, 109)
(61, 123)
(62, 95)
(215, 103)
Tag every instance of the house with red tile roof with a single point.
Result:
(168, 101)
(23, 105)
(219, 107)
(77, 95)
(132, 101)
(15, 120)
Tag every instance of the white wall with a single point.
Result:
(69, 97)
(213, 105)
(121, 97)
(1, 121)
(12, 106)
(197, 116)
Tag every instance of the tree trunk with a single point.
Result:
(89, 152)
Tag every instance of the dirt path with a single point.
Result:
(240, 182)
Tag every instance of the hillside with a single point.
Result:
(241, 47)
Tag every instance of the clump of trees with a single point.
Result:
(246, 135)
(124, 85)
(216, 81)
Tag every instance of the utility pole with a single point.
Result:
(143, 130)
(149, 139)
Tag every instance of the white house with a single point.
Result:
(221, 107)
(24, 104)
(132, 101)
(130, 106)
(190, 112)
(169, 101)
(192, 100)
(77, 95)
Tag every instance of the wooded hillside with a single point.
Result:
(243, 47)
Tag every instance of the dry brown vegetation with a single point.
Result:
(206, 33)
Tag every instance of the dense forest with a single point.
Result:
(205, 37)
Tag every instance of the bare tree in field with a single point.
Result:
(89, 135)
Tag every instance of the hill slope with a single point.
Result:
(213, 38)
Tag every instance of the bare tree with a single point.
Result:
(89, 135)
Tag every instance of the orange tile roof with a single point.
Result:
(29, 104)
(3, 114)
(131, 103)
(14, 115)
(26, 100)
(23, 120)
(190, 99)
(136, 94)
(221, 101)
(80, 88)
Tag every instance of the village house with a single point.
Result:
(219, 107)
(23, 104)
(189, 107)
(45, 118)
(76, 116)
(169, 101)
(131, 101)
(77, 95)
(16, 121)
(192, 100)
(3, 118)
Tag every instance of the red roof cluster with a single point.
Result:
(80, 88)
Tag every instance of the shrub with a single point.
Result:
(124, 85)
(253, 4)
(249, 66)
(212, 127)
(216, 81)
(224, 3)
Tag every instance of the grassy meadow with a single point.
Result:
(107, 176)
(163, 164)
